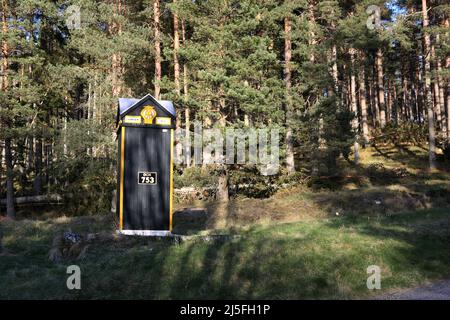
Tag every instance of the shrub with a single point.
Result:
(196, 176)
(87, 185)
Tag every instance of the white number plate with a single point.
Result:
(147, 177)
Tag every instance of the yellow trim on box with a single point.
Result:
(163, 121)
(133, 119)
(171, 178)
(122, 167)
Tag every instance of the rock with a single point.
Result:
(68, 245)
(72, 237)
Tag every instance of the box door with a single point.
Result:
(146, 189)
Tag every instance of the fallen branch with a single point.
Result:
(40, 199)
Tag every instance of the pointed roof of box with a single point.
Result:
(128, 104)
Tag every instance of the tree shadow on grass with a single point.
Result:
(421, 243)
(383, 201)
(307, 264)
(251, 268)
(276, 262)
(284, 261)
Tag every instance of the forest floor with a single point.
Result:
(305, 242)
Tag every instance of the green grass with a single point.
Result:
(292, 245)
(323, 258)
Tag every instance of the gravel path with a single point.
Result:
(436, 291)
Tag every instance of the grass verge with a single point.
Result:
(321, 258)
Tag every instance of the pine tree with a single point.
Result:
(428, 99)
(157, 47)
(311, 67)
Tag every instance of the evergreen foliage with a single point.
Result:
(60, 85)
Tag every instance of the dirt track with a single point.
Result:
(436, 291)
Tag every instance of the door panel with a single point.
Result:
(146, 203)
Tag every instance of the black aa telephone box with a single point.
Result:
(145, 131)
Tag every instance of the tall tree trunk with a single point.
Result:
(427, 88)
(395, 103)
(290, 165)
(405, 99)
(334, 68)
(441, 98)
(37, 182)
(10, 210)
(380, 82)
(447, 93)
(95, 111)
(370, 101)
(88, 117)
(47, 161)
(389, 101)
(5, 46)
(157, 45)
(312, 36)
(344, 87)
(414, 80)
(363, 103)
(353, 103)
(30, 154)
(222, 188)
(176, 49)
(436, 91)
(117, 63)
(186, 98)
(65, 146)
(376, 104)
(176, 73)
